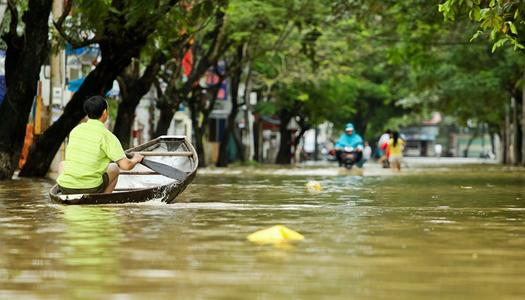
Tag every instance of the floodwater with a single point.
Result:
(441, 233)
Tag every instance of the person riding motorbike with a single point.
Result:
(349, 143)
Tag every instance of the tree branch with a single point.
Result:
(14, 17)
(59, 26)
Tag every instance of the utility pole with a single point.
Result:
(57, 62)
(57, 76)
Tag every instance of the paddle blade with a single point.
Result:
(165, 170)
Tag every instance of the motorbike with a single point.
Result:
(347, 157)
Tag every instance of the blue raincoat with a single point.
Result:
(346, 140)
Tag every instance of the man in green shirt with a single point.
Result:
(88, 166)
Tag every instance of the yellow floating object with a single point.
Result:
(275, 234)
(313, 186)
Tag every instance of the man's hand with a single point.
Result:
(137, 158)
(128, 163)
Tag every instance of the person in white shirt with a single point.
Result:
(382, 144)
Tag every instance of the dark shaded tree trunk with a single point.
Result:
(24, 58)
(506, 136)
(223, 159)
(522, 119)
(520, 155)
(166, 115)
(469, 143)
(360, 123)
(198, 134)
(168, 104)
(304, 126)
(124, 121)
(515, 138)
(199, 105)
(229, 131)
(316, 144)
(132, 89)
(257, 155)
(493, 131)
(284, 156)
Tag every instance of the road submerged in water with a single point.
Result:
(432, 231)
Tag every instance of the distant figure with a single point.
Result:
(87, 167)
(438, 149)
(382, 145)
(395, 148)
(367, 152)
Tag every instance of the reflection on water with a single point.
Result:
(455, 233)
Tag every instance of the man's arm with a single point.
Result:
(340, 143)
(129, 163)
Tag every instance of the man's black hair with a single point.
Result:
(95, 106)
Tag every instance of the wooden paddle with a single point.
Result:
(163, 169)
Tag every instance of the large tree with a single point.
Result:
(26, 52)
(503, 21)
(208, 46)
(160, 61)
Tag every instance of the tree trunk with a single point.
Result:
(523, 130)
(168, 104)
(506, 137)
(469, 143)
(520, 143)
(515, 132)
(316, 144)
(523, 122)
(228, 131)
(24, 58)
(492, 142)
(257, 140)
(230, 123)
(284, 156)
(124, 121)
(297, 139)
(199, 145)
(164, 123)
(132, 90)
(360, 122)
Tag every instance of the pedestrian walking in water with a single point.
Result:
(395, 149)
(382, 145)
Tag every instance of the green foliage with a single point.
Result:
(502, 20)
(467, 80)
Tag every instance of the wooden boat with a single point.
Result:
(141, 184)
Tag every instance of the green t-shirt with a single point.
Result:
(90, 149)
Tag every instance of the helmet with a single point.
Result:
(349, 126)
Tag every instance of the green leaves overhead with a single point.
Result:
(502, 20)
